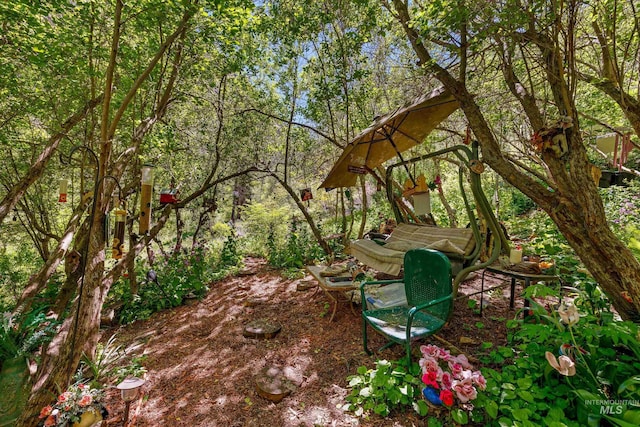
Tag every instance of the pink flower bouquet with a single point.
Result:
(448, 378)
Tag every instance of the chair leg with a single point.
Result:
(364, 336)
(408, 347)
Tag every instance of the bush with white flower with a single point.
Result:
(70, 405)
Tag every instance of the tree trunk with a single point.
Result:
(314, 229)
(72, 269)
(80, 331)
(38, 281)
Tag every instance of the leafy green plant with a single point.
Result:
(300, 248)
(523, 387)
(104, 360)
(134, 368)
(22, 334)
(17, 263)
(176, 276)
(390, 385)
(107, 364)
(229, 256)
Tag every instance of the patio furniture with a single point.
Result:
(428, 287)
(527, 278)
(336, 290)
(458, 244)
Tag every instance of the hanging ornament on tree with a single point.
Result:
(145, 198)
(306, 194)
(62, 198)
(118, 234)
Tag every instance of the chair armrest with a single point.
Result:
(380, 282)
(413, 310)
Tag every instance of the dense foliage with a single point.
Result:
(243, 105)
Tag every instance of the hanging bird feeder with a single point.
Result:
(169, 196)
(62, 198)
(145, 198)
(118, 234)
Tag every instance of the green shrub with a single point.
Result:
(299, 249)
(23, 334)
(527, 390)
(520, 203)
(389, 386)
(178, 275)
(17, 263)
(263, 223)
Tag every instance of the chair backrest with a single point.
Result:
(427, 277)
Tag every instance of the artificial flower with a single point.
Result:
(432, 395)
(462, 360)
(564, 365)
(456, 368)
(85, 400)
(46, 411)
(479, 380)
(447, 397)
(435, 352)
(446, 380)
(71, 404)
(430, 378)
(429, 364)
(568, 314)
(464, 390)
(451, 375)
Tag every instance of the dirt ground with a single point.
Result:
(202, 371)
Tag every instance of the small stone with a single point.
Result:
(272, 384)
(251, 302)
(467, 340)
(261, 329)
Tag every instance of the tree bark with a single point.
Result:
(79, 331)
(38, 281)
(314, 229)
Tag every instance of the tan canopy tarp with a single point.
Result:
(389, 136)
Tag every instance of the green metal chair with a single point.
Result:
(428, 286)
